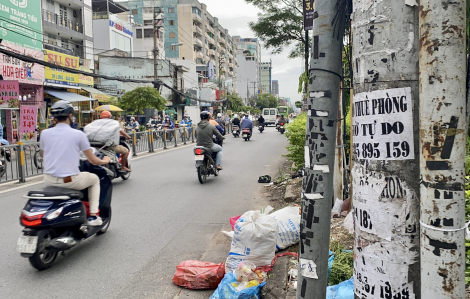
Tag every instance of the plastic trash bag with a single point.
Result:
(348, 223)
(197, 275)
(228, 235)
(101, 130)
(330, 263)
(288, 220)
(226, 290)
(254, 240)
(234, 220)
(344, 290)
(337, 208)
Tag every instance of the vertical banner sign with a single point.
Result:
(28, 120)
(382, 125)
(9, 92)
(309, 14)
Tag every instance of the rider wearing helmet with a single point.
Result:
(236, 120)
(61, 147)
(220, 121)
(186, 122)
(133, 125)
(119, 149)
(204, 133)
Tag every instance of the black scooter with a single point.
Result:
(205, 163)
(55, 219)
(261, 128)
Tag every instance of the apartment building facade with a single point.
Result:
(248, 73)
(265, 70)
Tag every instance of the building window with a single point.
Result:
(63, 15)
(65, 44)
(171, 22)
(135, 12)
(149, 9)
(172, 48)
(196, 10)
(148, 33)
(171, 10)
(172, 35)
(148, 22)
(139, 33)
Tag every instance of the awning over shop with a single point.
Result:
(68, 96)
(97, 94)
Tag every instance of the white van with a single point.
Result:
(269, 115)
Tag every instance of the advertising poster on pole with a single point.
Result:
(28, 120)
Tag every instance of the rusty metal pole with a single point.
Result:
(443, 130)
(317, 194)
(385, 172)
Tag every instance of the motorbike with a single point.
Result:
(55, 219)
(246, 134)
(205, 163)
(38, 159)
(113, 169)
(261, 128)
(281, 128)
(3, 166)
(184, 131)
(235, 131)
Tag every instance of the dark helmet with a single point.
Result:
(205, 115)
(61, 108)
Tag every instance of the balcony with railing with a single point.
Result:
(198, 54)
(197, 29)
(212, 52)
(210, 40)
(197, 41)
(54, 18)
(197, 18)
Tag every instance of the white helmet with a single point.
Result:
(132, 118)
(219, 114)
(235, 116)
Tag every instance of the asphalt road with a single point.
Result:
(161, 216)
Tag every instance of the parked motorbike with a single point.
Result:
(261, 128)
(3, 166)
(38, 159)
(55, 219)
(113, 169)
(246, 134)
(235, 131)
(205, 163)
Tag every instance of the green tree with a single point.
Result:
(141, 98)
(298, 104)
(235, 103)
(266, 100)
(280, 25)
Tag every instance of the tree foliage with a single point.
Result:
(266, 100)
(298, 104)
(280, 25)
(296, 134)
(235, 103)
(142, 98)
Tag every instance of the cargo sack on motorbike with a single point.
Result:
(197, 275)
(101, 130)
(254, 240)
(264, 179)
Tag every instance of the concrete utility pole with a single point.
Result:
(317, 195)
(443, 132)
(155, 48)
(385, 134)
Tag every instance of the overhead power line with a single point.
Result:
(74, 71)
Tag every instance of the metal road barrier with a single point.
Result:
(20, 161)
(25, 160)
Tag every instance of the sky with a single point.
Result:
(234, 15)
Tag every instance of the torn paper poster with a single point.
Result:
(308, 268)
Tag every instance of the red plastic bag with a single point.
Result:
(197, 275)
(234, 220)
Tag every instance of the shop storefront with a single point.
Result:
(62, 85)
(21, 94)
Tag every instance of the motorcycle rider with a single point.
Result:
(132, 125)
(261, 120)
(282, 120)
(119, 149)
(186, 121)
(204, 132)
(236, 120)
(220, 121)
(247, 123)
(61, 147)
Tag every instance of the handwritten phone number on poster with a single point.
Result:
(373, 150)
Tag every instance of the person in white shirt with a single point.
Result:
(61, 147)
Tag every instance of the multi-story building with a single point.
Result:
(265, 71)
(68, 27)
(192, 33)
(249, 59)
(275, 88)
(112, 27)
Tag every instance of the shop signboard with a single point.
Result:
(83, 79)
(21, 23)
(9, 92)
(28, 120)
(12, 68)
(58, 76)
